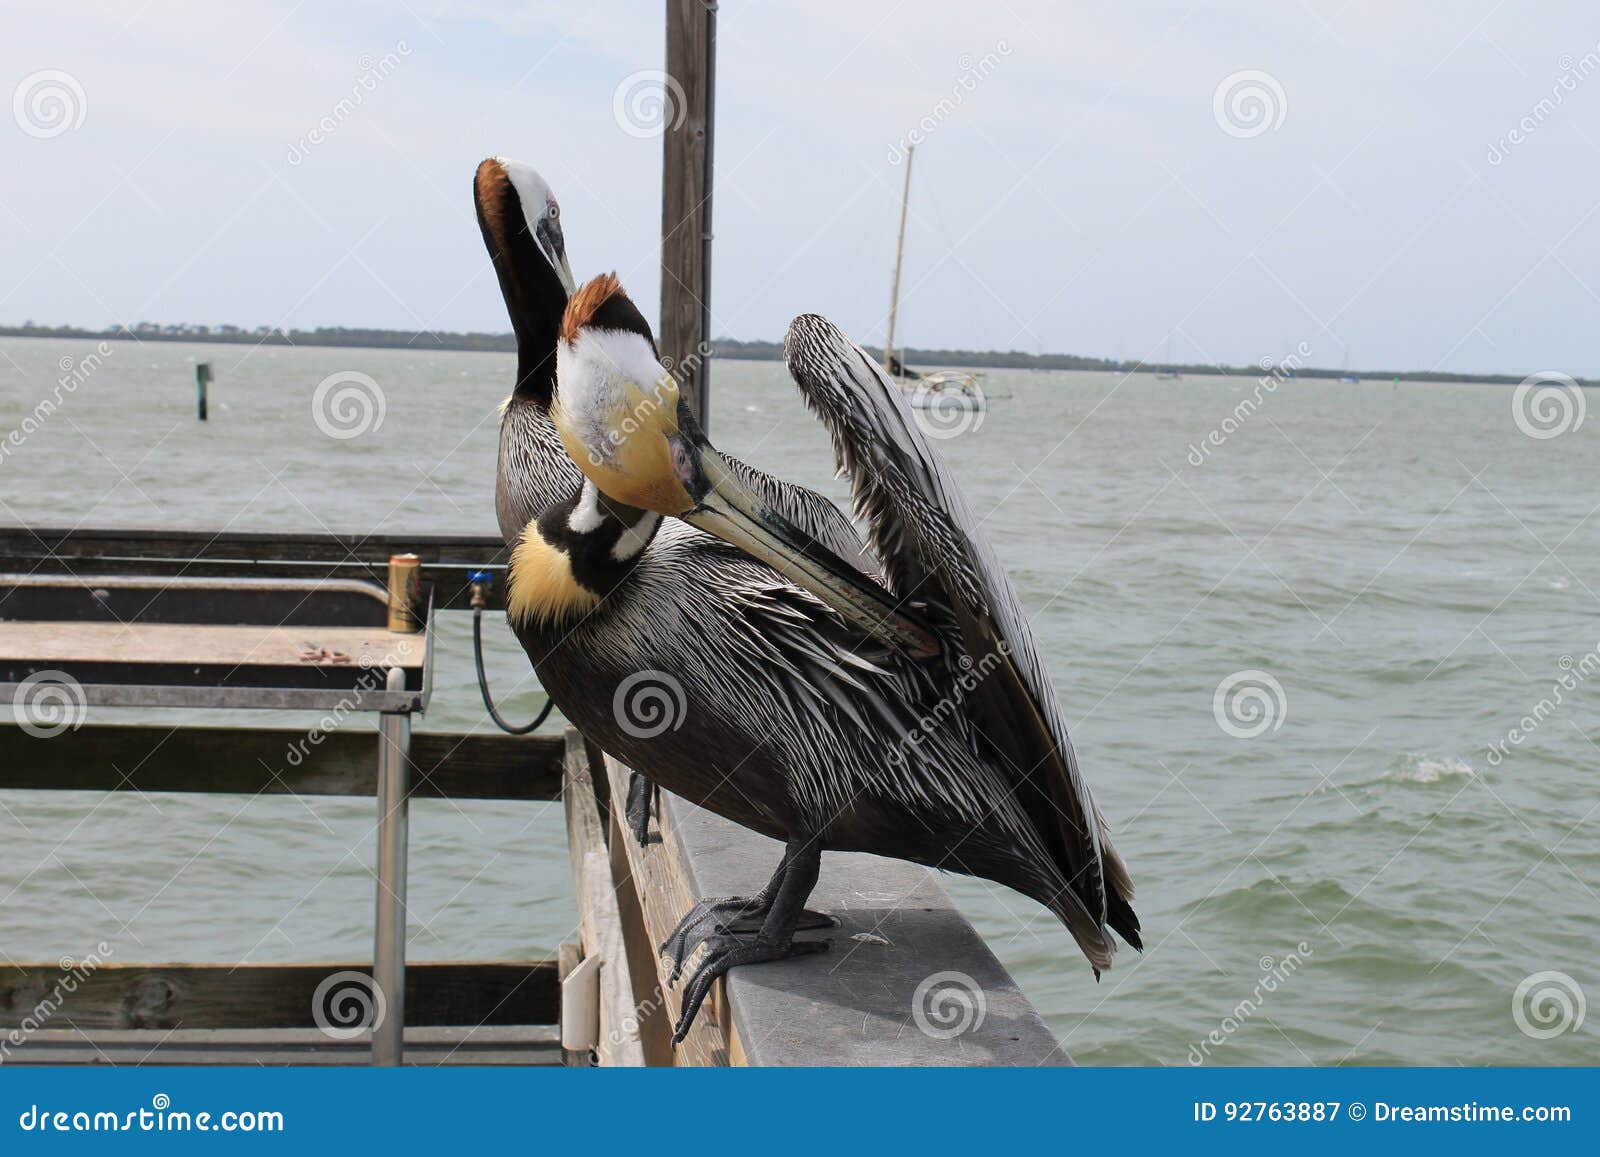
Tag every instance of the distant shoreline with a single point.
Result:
(725, 348)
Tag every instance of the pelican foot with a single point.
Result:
(725, 952)
(709, 918)
(637, 811)
(731, 916)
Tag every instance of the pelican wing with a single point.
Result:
(814, 514)
(932, 548)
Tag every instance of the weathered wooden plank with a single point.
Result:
(664, 895)
(276, 761)
(446, 559)
(686, 196)
(216, 996)
(212, 644)
(424, 1046)
(599, 920)
(906, 981)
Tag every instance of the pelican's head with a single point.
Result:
(620, 416)
(521, 225)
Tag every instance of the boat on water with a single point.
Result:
(947, 391)
(1344, 374)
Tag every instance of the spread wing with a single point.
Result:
(932, 547)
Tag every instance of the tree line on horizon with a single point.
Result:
(432, 340)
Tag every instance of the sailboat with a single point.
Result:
(1345, 375)
(945, 390)
(1169, 374)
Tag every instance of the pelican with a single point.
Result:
(520, 220)
(909, 718)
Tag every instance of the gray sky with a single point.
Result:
(1087, 185)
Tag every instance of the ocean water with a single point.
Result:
(1329, 664)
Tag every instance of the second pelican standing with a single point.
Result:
(915, 722)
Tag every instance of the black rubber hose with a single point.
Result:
(483, 684)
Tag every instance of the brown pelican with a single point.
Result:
(520, 220)
(911, 720)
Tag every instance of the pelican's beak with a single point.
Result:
(733, 512)
(554, 249)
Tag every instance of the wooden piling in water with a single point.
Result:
(202, 378)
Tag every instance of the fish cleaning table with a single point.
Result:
(69, 643)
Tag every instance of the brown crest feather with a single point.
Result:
(587, 302)
(490, 186)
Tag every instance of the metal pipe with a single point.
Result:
(389, 947)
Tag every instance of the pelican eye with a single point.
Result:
(552, 210)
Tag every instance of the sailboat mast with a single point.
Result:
(899, 257)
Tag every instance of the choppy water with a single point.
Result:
(1358, 883)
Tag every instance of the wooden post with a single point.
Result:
(684, 331)
(202, 376)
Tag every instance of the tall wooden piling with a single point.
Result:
(685, 328)
(202, 378)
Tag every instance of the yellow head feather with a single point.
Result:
(541, 585)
